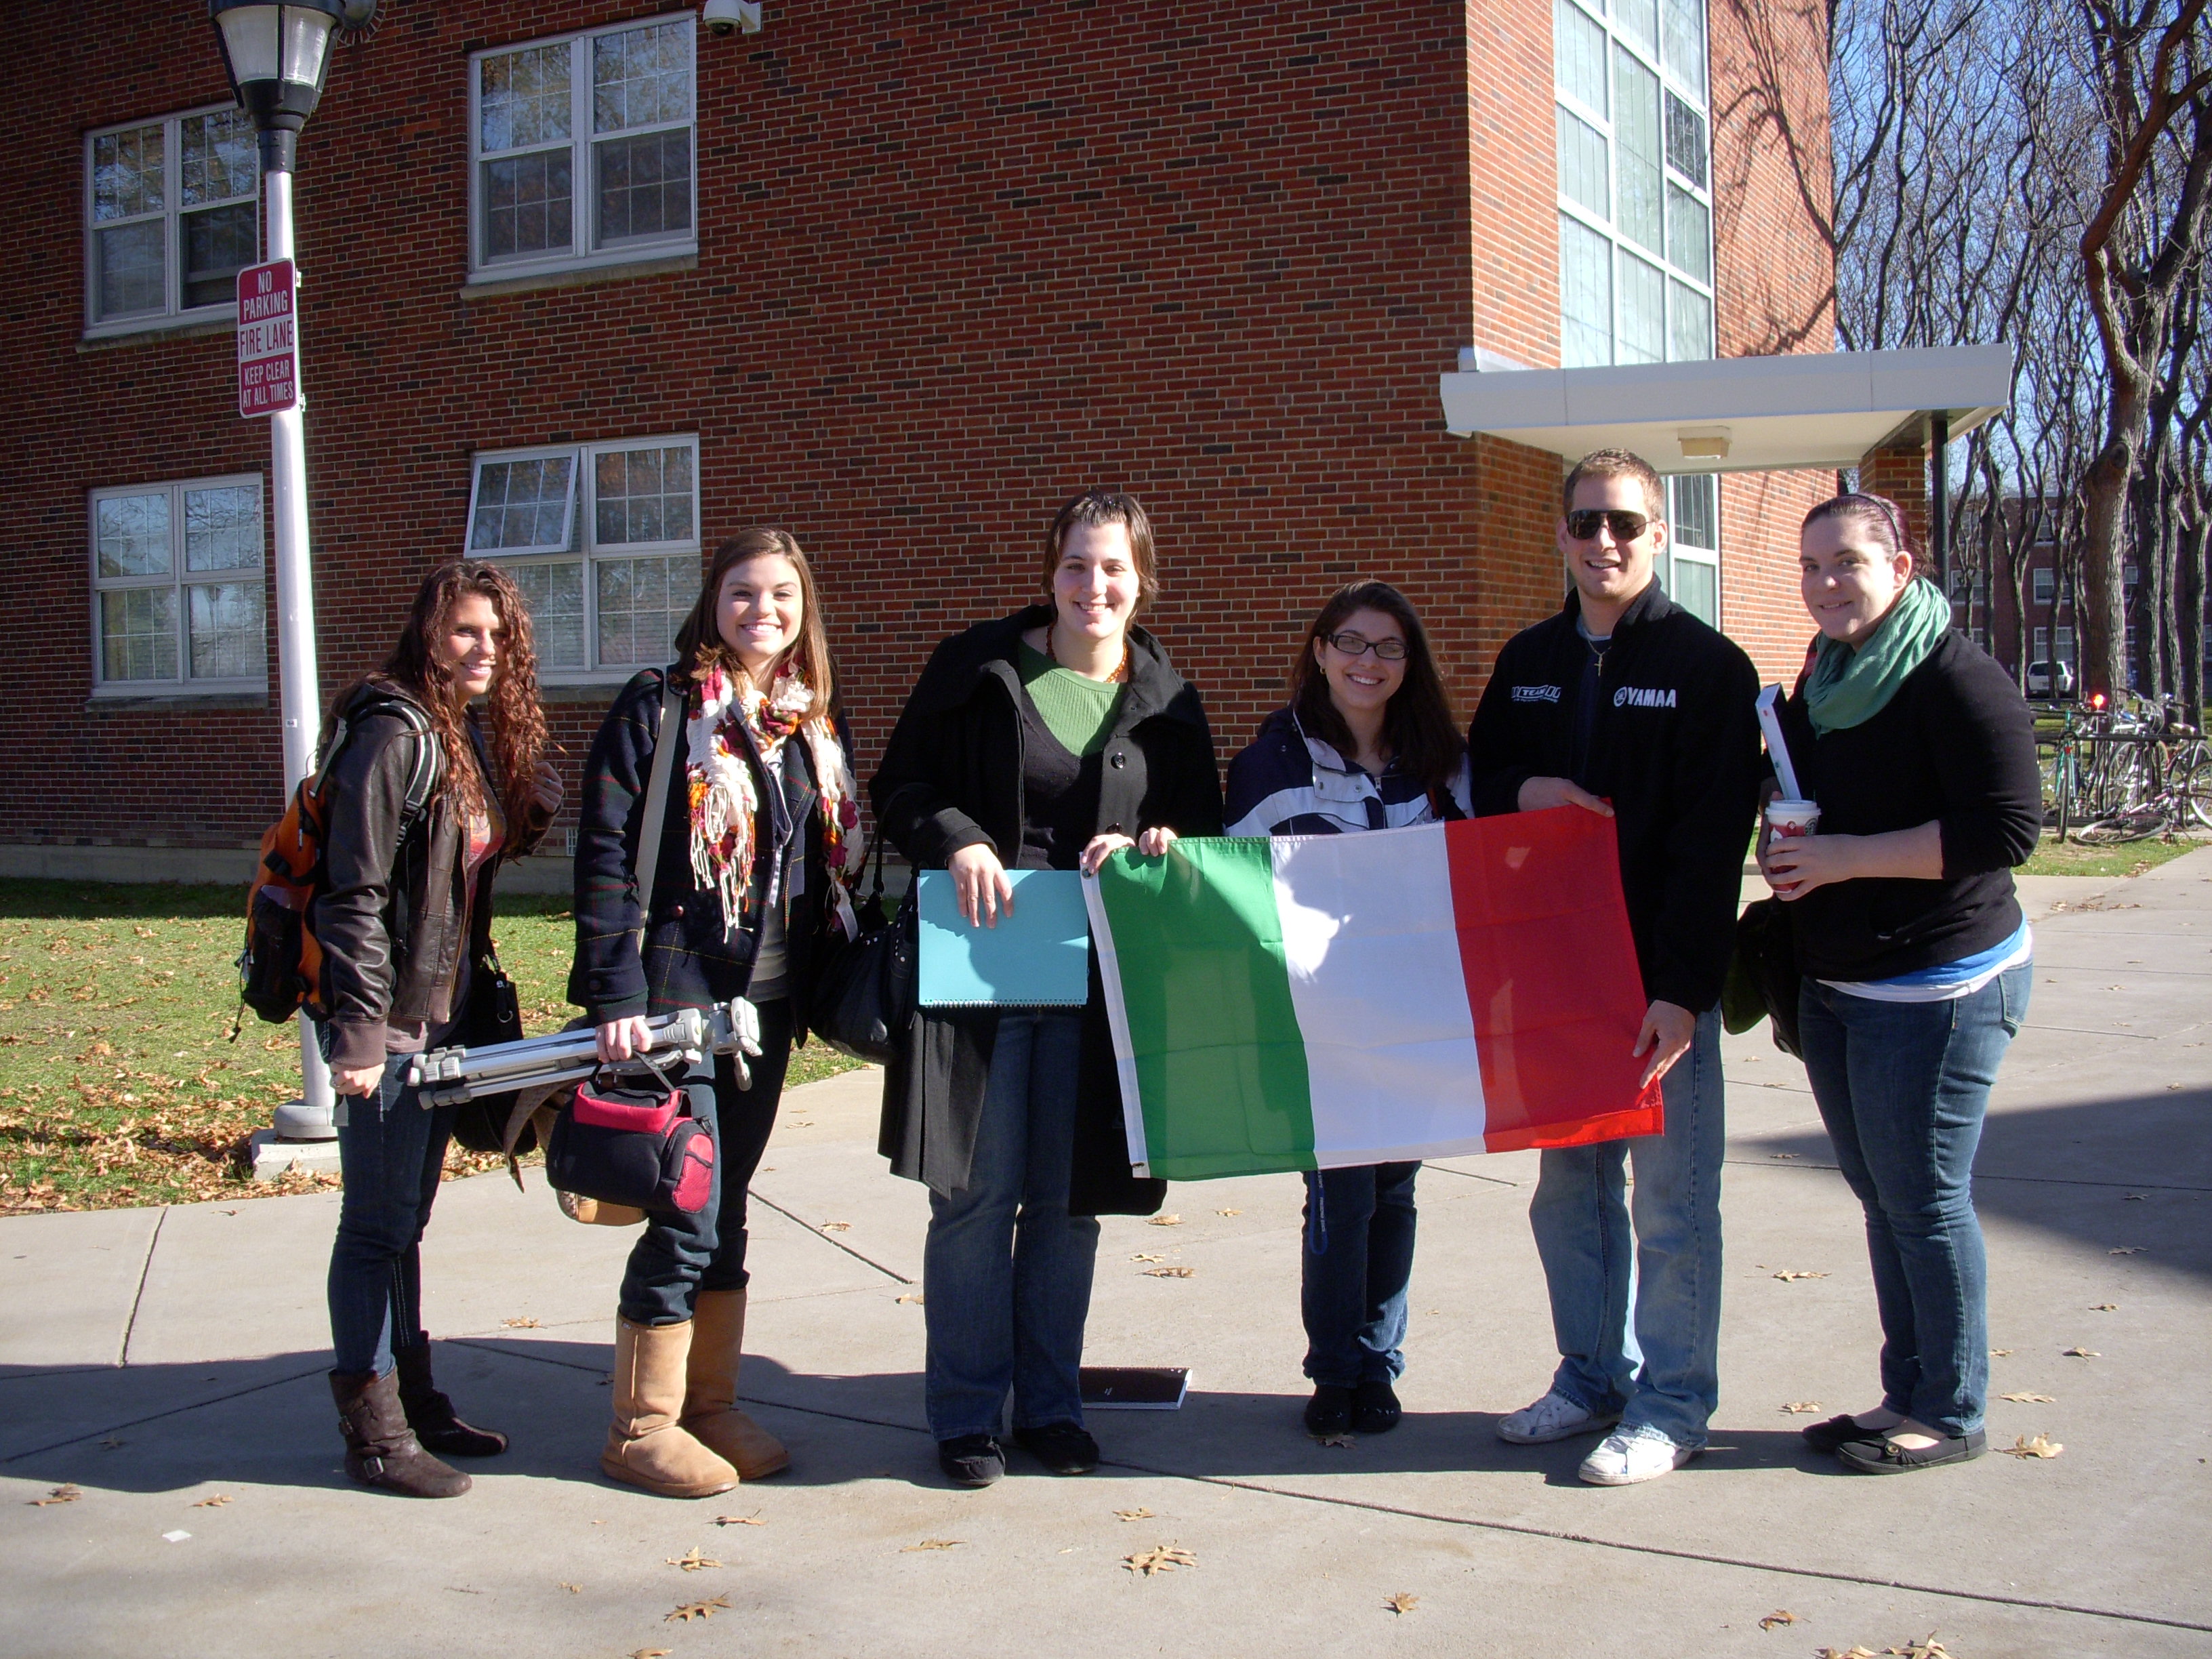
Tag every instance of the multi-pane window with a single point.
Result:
(172, 211)
(2065, 644)
(2046, 584)
(177, 585)
(604, 541)
(1692, 578)
(582, 150)
(1636, 227)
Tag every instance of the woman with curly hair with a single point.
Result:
(759, 836)
(403, 921)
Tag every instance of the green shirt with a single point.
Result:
(1078, 711)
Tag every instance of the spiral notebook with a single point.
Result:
(1037, 957)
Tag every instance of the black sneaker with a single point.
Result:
(972, 1460)
(1329, 1411)
(1062, 1448)
(1375, 1407)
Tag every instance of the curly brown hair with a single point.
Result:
(518, 722)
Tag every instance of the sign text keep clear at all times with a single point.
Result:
(268, 340)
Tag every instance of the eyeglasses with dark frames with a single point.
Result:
(1358, 644)
(1627, 526)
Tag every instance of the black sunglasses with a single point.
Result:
(1358, 644)
(1627, 526)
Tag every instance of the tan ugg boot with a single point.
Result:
(645, 1446)
(710, 1392)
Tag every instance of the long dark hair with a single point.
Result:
(517, 722)
(699, 642)
(1417, 722)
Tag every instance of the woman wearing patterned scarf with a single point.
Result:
(758, 844)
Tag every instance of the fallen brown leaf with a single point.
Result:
(2130, 1249)
(1148, 1256)
(1162, 1558)
(690, 1610)
(740, 1521)
(648, 1653)
(1853, 1652)
(1133, 1515)
(520, 1324)
(692, 1560)
(67, 1494)
(2042, 1446)
(1165, 1221)
(1228, 1213)
(2000, 1353)
(572, 1589)
(1795, 1407)
(2024, 1398)
(1927, 1648)
(934, 1544)
(836, 1226)
(2081, 1353)
(1171, 1273)
(914, 1296)
(2103, 1307)
(1337, 1439)
(1402, 1602)
(1788, 1273)
(1779, 1616)
(214, 1503)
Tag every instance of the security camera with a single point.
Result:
(726, 17)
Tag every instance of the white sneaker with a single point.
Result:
(1554, 1417)
(1629, 1456)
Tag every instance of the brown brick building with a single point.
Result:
(587, 288)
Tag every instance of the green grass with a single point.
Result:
(2058, 858)
(120, 1082)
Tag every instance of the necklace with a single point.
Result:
(1120, 669)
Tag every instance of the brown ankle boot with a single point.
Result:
(381, 1451)
(430, 1414)
(645, 1446)
(710, 1392)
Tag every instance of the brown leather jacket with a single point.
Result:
(395, 915)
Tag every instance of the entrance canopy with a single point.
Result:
(1734, 414)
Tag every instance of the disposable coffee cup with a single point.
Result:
(1792, 818)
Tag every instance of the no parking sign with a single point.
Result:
(268, 339)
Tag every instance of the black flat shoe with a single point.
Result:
(1882, 1456)
(1329, 1411)
(1835, 1433)
(1062, 1448)
(971, 1460)
(1375, 1407)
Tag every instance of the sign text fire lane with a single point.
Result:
(268, 339)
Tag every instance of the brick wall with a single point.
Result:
(955, 263)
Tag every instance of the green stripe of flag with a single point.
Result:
(1221, 1064)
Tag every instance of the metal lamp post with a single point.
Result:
(276, 55)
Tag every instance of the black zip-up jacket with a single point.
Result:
(688, 960)
(952, 777)
(1673, 743)
(394, 915)
(1956, 746)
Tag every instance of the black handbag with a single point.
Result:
(492, 1014)
(1763, 977)
(641, 1145)
(863, 996)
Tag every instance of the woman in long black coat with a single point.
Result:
(1043, 740)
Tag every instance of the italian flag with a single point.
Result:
(1306, 1002)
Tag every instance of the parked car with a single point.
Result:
(2046, 679)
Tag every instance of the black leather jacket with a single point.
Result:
(395, 914)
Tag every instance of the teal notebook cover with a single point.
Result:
(1038, 956)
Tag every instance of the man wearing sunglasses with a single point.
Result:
(1626, 704)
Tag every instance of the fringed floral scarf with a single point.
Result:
(725, 799)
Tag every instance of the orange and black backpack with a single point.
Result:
(280, 971)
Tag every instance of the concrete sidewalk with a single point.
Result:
(157, 1359)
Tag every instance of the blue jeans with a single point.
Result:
(1357, 1262)
(679, 1255)
(1903, 1087)
(1006, 1270)
(392, 1153)
(1665, 1375)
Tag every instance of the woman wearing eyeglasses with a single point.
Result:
(1367, 742)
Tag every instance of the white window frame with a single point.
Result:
(1680, 552)
(584, 253)
(583, 548)
(176, 581)
(2045, 584)
(173, 313)
(1569, 208)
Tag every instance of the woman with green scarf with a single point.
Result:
(1920, 754)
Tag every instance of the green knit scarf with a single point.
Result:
(1850, 687)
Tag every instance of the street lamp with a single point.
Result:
(276, 55)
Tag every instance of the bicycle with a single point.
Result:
(2169, 786)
